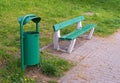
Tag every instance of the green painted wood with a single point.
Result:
(77, 32)
(67, 23)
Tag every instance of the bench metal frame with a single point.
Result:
(57, 35)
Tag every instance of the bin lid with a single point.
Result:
(25, 19)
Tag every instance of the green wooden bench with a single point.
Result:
(72, 35)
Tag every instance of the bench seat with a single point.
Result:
(77, 32)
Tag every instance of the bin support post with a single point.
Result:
(37, 25)
(21, 46)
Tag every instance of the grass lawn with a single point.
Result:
(104, 13)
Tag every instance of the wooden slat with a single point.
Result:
(77, 32)
(67, 23)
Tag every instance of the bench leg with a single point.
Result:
(70, 48)
(56, 40)
(79, 25)
(90, 34)
(56, 44)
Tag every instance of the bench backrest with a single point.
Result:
(59, 26)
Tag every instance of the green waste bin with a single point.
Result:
(29, 41)
(31, 48)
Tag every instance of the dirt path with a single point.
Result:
(98, 61)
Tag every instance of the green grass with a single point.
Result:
(10, 71)
(105, 13)
(50, 65)
(53, 65)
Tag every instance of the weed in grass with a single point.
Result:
(53, 65)
(48, 68)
